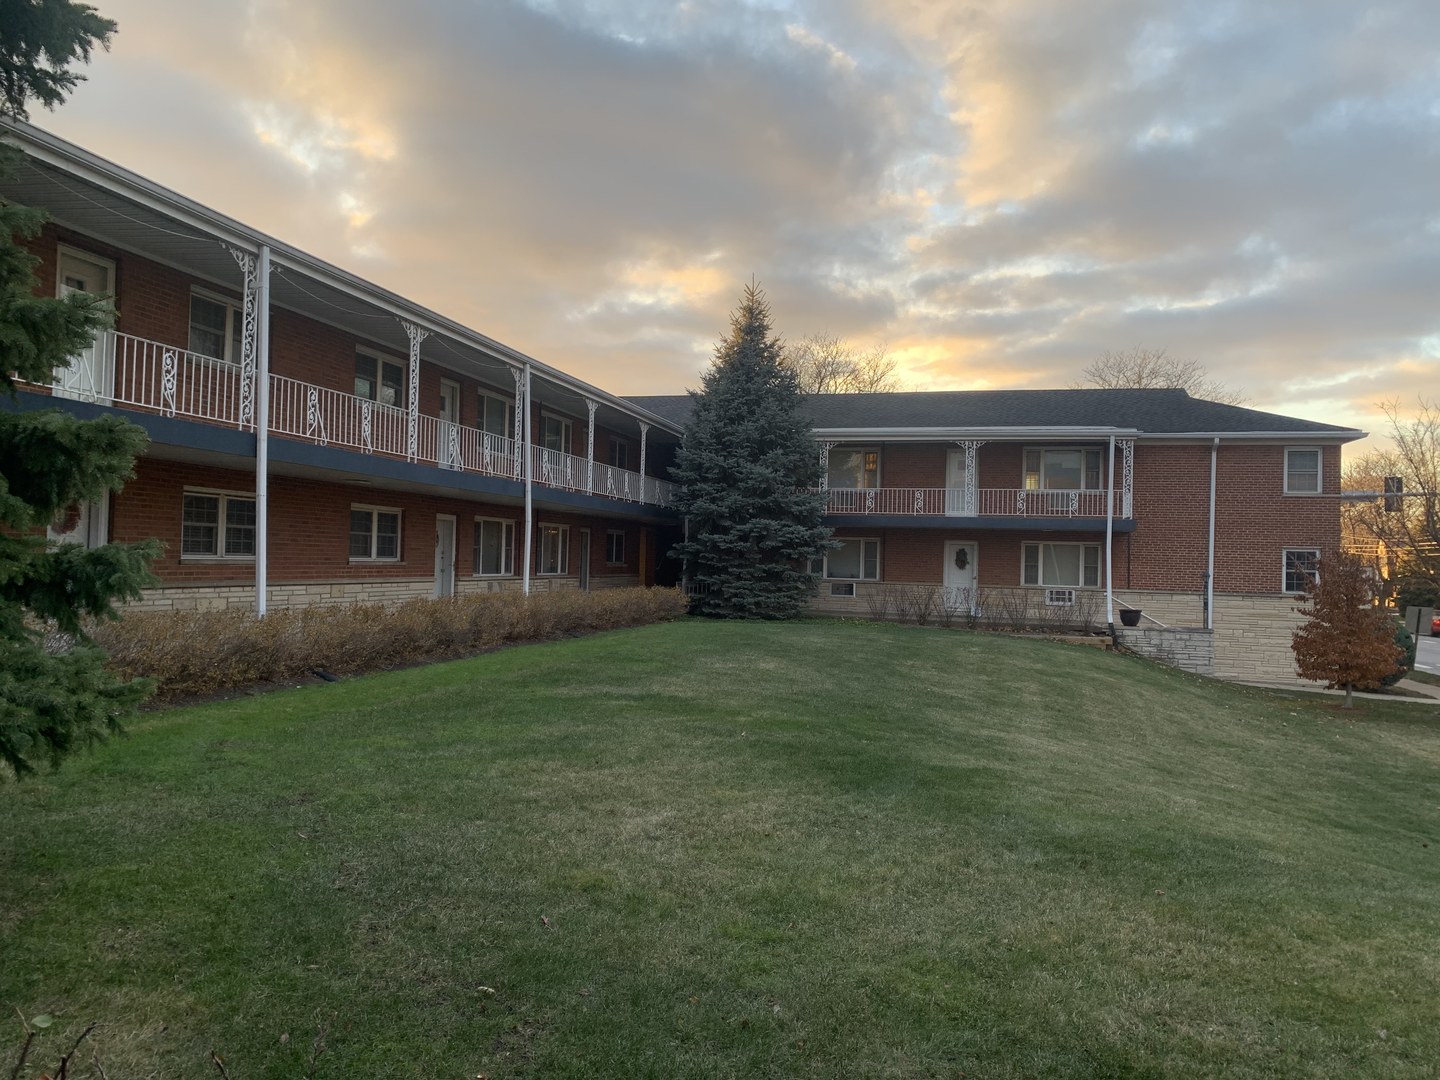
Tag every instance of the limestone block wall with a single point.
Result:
(1252, 638)
(1189, 649)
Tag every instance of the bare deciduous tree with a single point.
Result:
(826, 364)
(1155, 369)
(1407, 527)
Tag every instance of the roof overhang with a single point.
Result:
(934, 434)
(1338, 435)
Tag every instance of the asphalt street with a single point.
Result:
(1427, 654)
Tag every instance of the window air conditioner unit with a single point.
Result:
(1059, 597)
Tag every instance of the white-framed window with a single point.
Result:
(379, 379)
(856, 559)
(494, 547)
(1063, 468)
(217, 525)
(216, 325)
(854, 467)
(619, 452)
(496, 415)
(374, 534)
(615, 547)
(1302, 470)
(1064, 566)
(555, 433)
(553, 542)
(1302, 566)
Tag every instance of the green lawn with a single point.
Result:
(720, 850)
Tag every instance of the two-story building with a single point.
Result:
(318, 439)
(1201, 516)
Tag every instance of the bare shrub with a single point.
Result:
(201, 652)
(924, 602)
(880, 599)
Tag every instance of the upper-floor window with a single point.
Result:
(1302, 567)
(496, 416)
(217, 525)
(215, 328)
(854, 467)
(1302, 470)
(555, 433)
(619, 453)
(1065, 565)
(379, 379)
(1062, 469)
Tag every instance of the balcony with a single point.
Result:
(957, 503)
(148, 376)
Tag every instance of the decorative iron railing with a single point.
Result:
(133, 372)
(958, 502)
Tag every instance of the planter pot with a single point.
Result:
(1129, 616)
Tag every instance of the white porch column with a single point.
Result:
(249, 330)
(522, 421)
(970, 500)
(1109, 537)
(416, 334)
(825, 448)
(590, 406)
(522, 382)
(1127, 476)
(644, 430)
(262, 433)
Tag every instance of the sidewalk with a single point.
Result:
(1430, 695)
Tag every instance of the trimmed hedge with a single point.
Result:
(203, 652)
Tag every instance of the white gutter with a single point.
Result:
(1297, 437)
(262, 430)
(81, 163)
(529, 494)
(929, 434)
(1210, 556)
(1109, 542)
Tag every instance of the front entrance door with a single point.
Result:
(444, 555)
(87, 376)
(447, 454)
(957, 486)
(960, 575)
(584, 558)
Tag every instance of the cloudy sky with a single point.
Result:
(997, 189)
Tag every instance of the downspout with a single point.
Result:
(1210, 555)
(1109, 542)
(262, 430)
(529, 494)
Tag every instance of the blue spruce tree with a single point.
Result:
(747, 470)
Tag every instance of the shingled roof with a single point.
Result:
(1148, 411)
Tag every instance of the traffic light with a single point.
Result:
(1394, 488)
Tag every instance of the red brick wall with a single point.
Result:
(310, 523)
(917, 556)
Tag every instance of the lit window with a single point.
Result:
(1063, 565)
(1302, 567)
(374, 534)
(494, 547)
(217, 526)
(854, 468)
(1302, 471)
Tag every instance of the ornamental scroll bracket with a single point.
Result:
(416, 334)
(1127, 477)
(249, 333)
(520, 406)
(971, 499)
(825, 448)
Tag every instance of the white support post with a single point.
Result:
(1109, 538)
(1210, 542)
(529, 494)
(416, 334)
(971, 497)
(262, 433)
(249, 327)
(1127, 478)
(825, 448)
(522, 422)
(644, 430)
(590, 406)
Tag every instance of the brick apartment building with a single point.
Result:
(317, 439)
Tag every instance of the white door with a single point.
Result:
(88, 376)
(957, 503)
(960, 575)
(448, 452)
(86, 524)
(584, 558)
(444, 555)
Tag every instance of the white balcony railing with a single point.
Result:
(124, 370)
(956, 502)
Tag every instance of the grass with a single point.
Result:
(715, 850)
